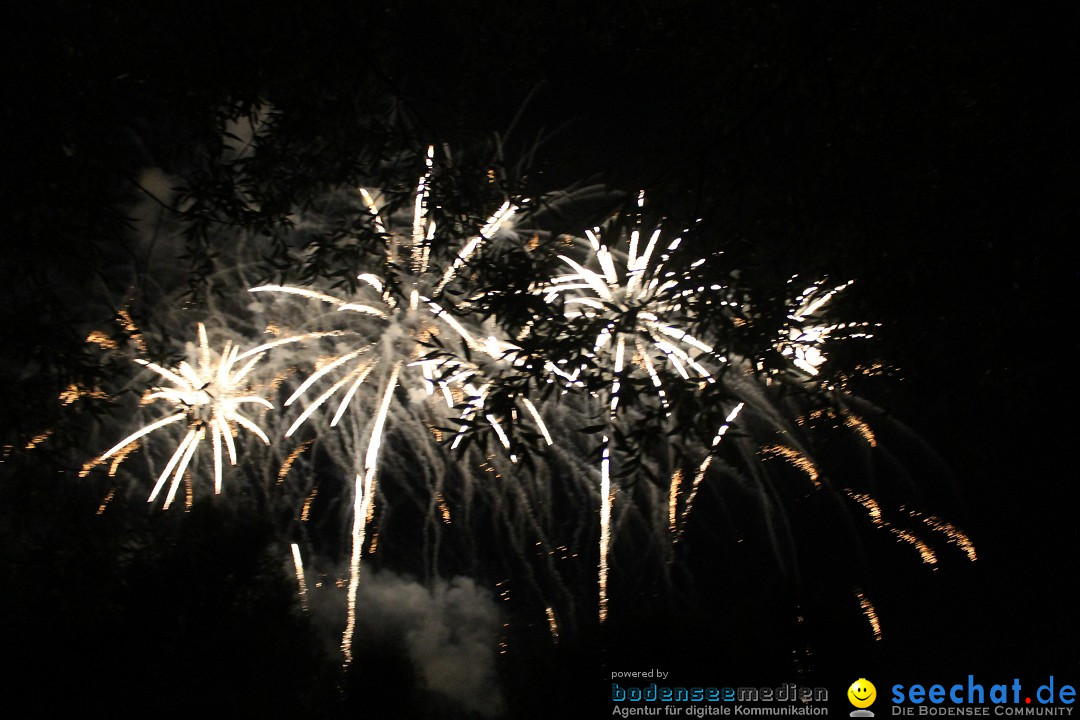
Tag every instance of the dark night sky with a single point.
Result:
(924, 150)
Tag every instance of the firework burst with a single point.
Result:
(633, 300)
(402, 324)
(402, 365)
(807, 333)
(207, 396)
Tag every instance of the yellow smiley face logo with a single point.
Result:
(862, 693)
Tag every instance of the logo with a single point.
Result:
(862, 694)
(975, 698)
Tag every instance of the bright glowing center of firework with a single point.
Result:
(201, 407)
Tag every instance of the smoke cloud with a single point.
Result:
(449, 631)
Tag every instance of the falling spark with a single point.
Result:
(605, 534)
(287, 464)
(871, 505)
(926, 553)
(444, 511)
(952, 533)
(794, 457)
(306, 511)
(870, 613)
(673, 498)
(188, 496)
(860, 427)
(106, 501)
(38, 439)
(102, 340)
(300, 581)
(74, 391)
(124, 317)
(553, 626)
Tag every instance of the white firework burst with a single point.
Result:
(804, 339)
(641, 324)
(208, 395)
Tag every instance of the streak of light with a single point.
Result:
(870, 613)
(363, 505)
(38, 439)
(287, 464)
(860, 426)
(444, 510)
(673, 498)
(108, 499)
(704, 467)
(553, 626)
(796, 458)
(300, 581)
(306, 511)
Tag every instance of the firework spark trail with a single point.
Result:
(796, 458)
(673, 498)
(607, 498)
(926, 553)
(553, 625)
(301, 583)
(860, 426)
(951, 532)
(700, 475)
(363, 506)
(105, 502)
(870, 613)
(287, 463)
(305, 511)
